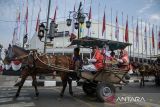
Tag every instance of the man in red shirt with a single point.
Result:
(96, 63)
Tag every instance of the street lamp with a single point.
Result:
(25, 38)
(79, 16)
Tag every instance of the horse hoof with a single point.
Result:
(35, 98)
(17, 95)
(61, 95)
(71, 93)
(37, 94)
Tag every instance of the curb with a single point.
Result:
(47, 83)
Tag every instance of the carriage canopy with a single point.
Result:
(88, 42)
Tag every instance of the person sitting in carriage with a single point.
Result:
(123, 61)
(96, 63)
(77, 60)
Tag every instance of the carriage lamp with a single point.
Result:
(76, 25)
(88, 24)
(79, 16)
(25, 38)
(69, 22)
(41, 31)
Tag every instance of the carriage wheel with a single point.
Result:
(88, 88)
(105, 91)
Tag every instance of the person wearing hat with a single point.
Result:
(96, 63)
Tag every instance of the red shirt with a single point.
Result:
(99, 57)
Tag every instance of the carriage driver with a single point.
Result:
(96, 63)
(77, 60)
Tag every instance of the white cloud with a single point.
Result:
(147, 6)
(155, 17)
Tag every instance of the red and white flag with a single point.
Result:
(89, 18)
(153, 38)
(137, 35)
(145, 38)
(126, 31)
(38, 21)
(104, 26)
(26, 18)
(18, 20)
(117, 29)
(159, 40)
(55, 14)
(14, 39)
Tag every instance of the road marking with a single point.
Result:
(78, 100)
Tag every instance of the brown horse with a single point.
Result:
(34, 63)
(146, 70)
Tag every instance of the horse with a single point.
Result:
(145, 69)
(34, 63)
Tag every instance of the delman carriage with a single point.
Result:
(101, 83)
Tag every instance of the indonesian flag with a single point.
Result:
(137, 35)
(38, 21)
(104, 25)
(152, 37)
(89, 18)
(90, 14)
(117, 29)
(18, 21)
(14, 39)
(26, 18)
(159, 40)
(145, 38)
(126, 31)
(55, 14)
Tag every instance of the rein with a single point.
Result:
(56, 67)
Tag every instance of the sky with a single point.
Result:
(147, 10)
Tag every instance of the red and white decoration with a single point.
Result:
(15, 65)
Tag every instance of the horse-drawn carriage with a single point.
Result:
(102, 83)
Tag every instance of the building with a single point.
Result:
(61, 42)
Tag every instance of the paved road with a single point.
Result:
(49, 97)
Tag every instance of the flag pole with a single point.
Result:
(111, 25)
(153, 43)
(133, 39)
(98, 18)
(157, 40)
(146, 42)
(117, 27)
(150, 42)
(122, 27)
(128, 36)
(64, 25)
(142, 40)
(138, 39)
